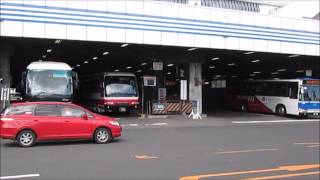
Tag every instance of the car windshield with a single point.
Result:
(120, 86)
(310, 93)
(43, 82)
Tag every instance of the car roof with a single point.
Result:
(41, 102)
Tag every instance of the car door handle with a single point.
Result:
(35, 120)
(66, 121)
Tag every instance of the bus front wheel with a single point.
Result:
(281, 110)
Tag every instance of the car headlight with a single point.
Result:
(115, 123)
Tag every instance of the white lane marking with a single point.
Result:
(20, 176)
(159, 124)
(136, 125)
(275, 121)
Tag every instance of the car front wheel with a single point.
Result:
(26, 138)
(102, 135)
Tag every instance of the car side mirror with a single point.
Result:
(85, 116)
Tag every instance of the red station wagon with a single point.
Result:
(30, 122)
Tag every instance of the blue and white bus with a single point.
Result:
(288, 96)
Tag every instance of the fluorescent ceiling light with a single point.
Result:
(78, 65)
(94, 58)
(44, 56)
(255, 61)
(234, 76)
(214, 59)
(293, 55)
(191, 49)
(300, 70)
(218, 76)
(117, 70)
(280, 70)
(168, 73)
(124, 45)
(143, 64)
(274, 73)
(58, 41)
(49, 50)
(129, 67)
(206, 83)
(256, 72)
(139, 71)
(169, 65)
(85, 62)
(231, 64)
(252, 74)
(105, 53)
(251, 52)
(211, 67)
(40, 60)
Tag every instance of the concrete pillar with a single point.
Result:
(5, 52)
(195, 83)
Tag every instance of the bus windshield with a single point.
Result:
(44, 82)
(310, 93)
(120, 86)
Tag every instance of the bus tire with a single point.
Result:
(281, 110)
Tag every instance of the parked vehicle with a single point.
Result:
(110, 92)
(49, 81)
(288, 96)
(30, 122)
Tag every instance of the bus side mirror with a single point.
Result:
(23, 79)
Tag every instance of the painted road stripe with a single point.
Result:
(153, 124)
(144, 157)
(308, 143)
(275, 121)
(246, 151)
(20, 176)
(159, 124)
(284, 176)
(280, 168)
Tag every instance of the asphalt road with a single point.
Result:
(215, 151)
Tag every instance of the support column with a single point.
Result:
(5, 78)
(195, 83)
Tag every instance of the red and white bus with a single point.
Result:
(293, 96)
(110, 92)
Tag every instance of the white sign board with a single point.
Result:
(149, 80)
(183, 90)
(157, 66)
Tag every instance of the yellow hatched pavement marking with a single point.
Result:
(280, 168)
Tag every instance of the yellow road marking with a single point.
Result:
(246, 151)
(284, 176)
(145, 157)
(280, 168)
(197, 177)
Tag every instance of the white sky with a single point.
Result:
(300, 8)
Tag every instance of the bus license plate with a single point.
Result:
(122, 109)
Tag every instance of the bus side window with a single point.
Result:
(293, 90)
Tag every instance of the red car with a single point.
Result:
(30, 122)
